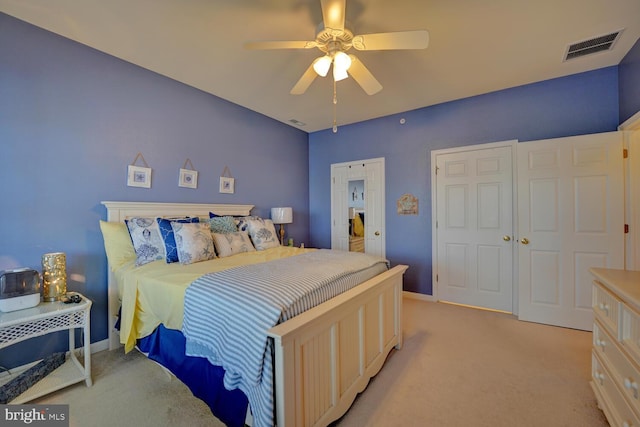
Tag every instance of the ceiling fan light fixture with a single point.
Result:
(339, 73)
(321, 65)
(342, 61)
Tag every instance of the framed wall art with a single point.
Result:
(227, 185)
(188, 177)
(139, 176)
(227, 182)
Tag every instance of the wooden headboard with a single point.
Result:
(119, 211)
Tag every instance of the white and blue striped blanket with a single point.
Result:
(227, 314)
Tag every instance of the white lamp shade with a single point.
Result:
(339, 73)
(342, 61)
(282, 215)
(321, 65)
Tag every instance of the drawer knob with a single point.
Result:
(630, 384)
(626, 424)
(601, 343)
(604, 307)
(599, 376)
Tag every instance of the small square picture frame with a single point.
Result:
(188, 178)
(227, 185)
(138, 176)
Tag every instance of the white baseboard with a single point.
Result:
(418, 296)
(100, 346)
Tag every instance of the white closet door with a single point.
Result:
(570, 215)
(375, 222)
(371, 171)
(339, 217)
(474, 213)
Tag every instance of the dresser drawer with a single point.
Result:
(624, 372)
(610, 399)
(606, 308)
(630, 332)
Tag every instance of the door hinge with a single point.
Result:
(625, 153)
(626, 229)
(436, 277)
(437, 169)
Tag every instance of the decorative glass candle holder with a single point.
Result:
(54, 276)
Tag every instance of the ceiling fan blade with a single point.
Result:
(333, 12)
(305, 81)
(418, 39)
(363, 76)
(281, 45)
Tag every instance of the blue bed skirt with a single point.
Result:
(167, 347)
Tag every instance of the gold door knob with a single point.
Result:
(506, 238)
(525, 241)
(377, 233)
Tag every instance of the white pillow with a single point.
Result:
(263, 233)
(146, 238)
(228, 244)
(193, 241)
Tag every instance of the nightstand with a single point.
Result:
(44, 319)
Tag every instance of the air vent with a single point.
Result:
(297, 122)
(594, 45)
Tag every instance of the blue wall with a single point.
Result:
(579, 104)
(72, 119)
(629, 75)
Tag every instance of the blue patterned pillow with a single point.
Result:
(228, 244)
(194, 242)
(146, 239)
(262, 233)
(166, 232)
(242, 222)
(222, 224)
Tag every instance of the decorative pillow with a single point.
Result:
(194, 242)
(263, 233)
(228, 244)
(222, 224)
(166, 232)
(147, 242)
(117, 243)
(243, 222)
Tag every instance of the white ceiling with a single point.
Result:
(476, 47)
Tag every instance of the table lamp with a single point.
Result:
(282, 216)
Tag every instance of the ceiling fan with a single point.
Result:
(335, 40)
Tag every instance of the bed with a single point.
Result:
(321, 358)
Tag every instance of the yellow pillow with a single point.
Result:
(117, 243)
(358, 226)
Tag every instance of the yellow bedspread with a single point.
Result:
(154, 293)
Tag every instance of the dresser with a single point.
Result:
(615, 369)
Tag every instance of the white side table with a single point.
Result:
(45, 318)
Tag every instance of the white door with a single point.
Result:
(370, 171)
(474, 227)
(374, 226)
(570, 216)
(339, 220)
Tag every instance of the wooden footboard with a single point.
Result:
(327, 355)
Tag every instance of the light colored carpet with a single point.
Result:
(458, 367)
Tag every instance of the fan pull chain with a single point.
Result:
(335, 104)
